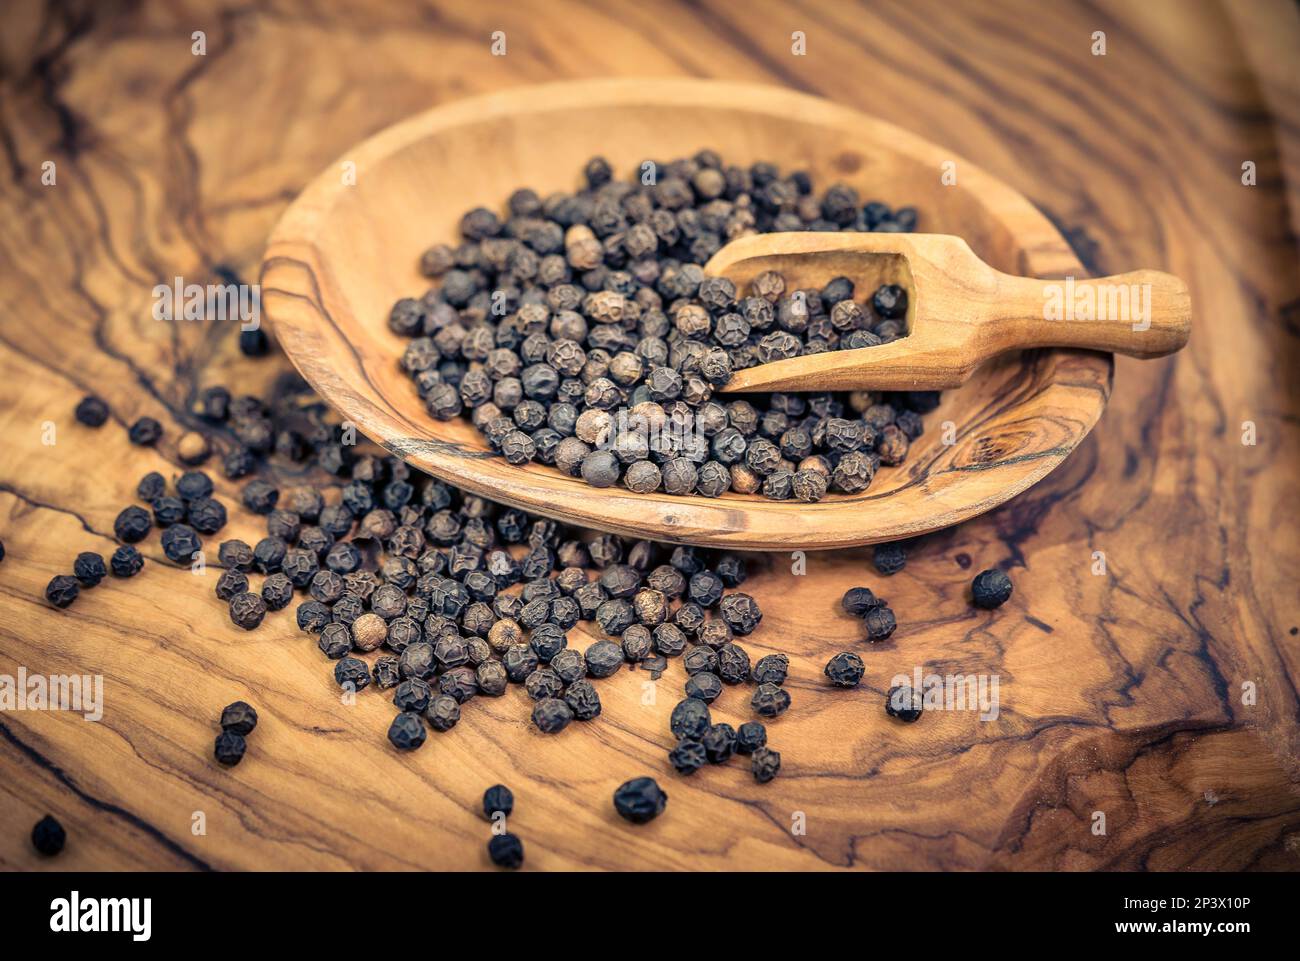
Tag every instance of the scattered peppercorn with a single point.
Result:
(126, 561)
(770, 700)
(889, 558)
(145, 432)
(750, 736)
(859, 600)
(764, 763)
(239, 717)
(506, 851)
(845, 669)
(903, 703)
(89, 568)
(407, 731)
(229, 748)
(880, 624)
(132, 524)
(48, 836)
(990, 589)
(247, 610)
(92, 411)
(552, 715)
(687, 756)
(62, 590)
(498, 799)
(640, 800)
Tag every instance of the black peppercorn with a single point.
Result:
(181, 543)
(387, 672)
(443, 713)
(62, 590)
(733, 663)
(543, 682)
(145, 432)
(719, 743)
(669, 639)
(498, 800)
(260, 497)
(687, 756)
(990, 589)
(551, 715)
(771, 669)
(770, 700)
(92, 411)
(690, 719)
(152, 486)
(247, 610)
(506, 851)
(845, 669)
(351, 673)
(765, 764)
(230, 583)
(889, 558)
(168, 511)
(132, 525)
(491, 678)
(750, 736)
(741, 613)
(640, 800)
(582, 698)
(229, 748)
(407, 733)
(312, 616)
(239, 717)
(126, 562)
(335, 641)
(48, 836)
(859, 600)
(604, 658)
(903, 703)
(880, 623)
(89, 568)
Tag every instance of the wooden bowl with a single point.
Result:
(348, 248)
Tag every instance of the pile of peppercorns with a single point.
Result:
(581, 332)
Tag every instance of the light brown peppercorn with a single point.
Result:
(503, 634)
(369, 631)
(192, 447)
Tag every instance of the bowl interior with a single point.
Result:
(349, 247)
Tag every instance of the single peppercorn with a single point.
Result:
(889, 558)
(91, 411)
(145, 432)
(126, 562)
(48, 836)
(277, 592)
(582, 698)
(551, 715)
(335, 641)
(247, 610)
(407, 732)
(506, 851)
(229, 748)
(352, 673)
(990, 589)
(239, 717)
(62, 590)
(230, 583)
(498, 800)
(845, 669)
(880, 624)
(765, 764)
(903, 703)
(771, 669)
(443, 713)
(181, 543)
(704, 686)
(89, 568)
(640, 800)
(687, 756)
(132, 525)
(604, 658)
(750, 736)
(719, 743)
(690, 719)
(859, 600)
(770, 700)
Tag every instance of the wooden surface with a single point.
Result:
(1120, 693)
(331, 274)
(961, 312)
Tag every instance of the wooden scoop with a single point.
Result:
(960, 311)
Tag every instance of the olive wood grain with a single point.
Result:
(960, 311)
(348, 247)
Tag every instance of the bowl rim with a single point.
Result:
(300, 302)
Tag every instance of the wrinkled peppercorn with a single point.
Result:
(859, 600)
(604, 658)
(990, 589)
(352, 673)
(551, 715)
(845, 669)
(89, 568)
(126, 562)
(903, 703)
(750, 736)
(506, 851)
(407, 732)
(764, 763)
(582, 698)
(640, 800)
(770, 700)
(771, 669)
(687, 756)
(239, 717)
(132, 525)
(719, 743)
(880, 623)
(690, 719)
(181, 543)
(229, 748)
(230, 583)
(443, 713)
(62, 590)
(704, 686)
(247, 610)
(335, 641)
(498, 800)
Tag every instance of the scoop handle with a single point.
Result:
(1143, 313)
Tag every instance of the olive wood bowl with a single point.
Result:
(348, 248)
